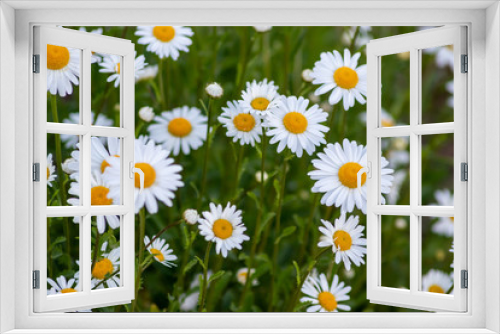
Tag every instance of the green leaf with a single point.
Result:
(59, 240)
(190, 265)
(200, 261)
(297, 269)
(216, 276)
(253, 196)
(286, 232)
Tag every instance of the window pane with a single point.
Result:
(437, 254)
(395, 95)
(63, 254)
(397, 152)
(106, 171)
(63, 159)
(437, 84)
(105, 251)
(105, 90)
(395, 251)
(437, 169)
(63, 91)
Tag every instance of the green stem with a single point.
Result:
(205, 277)
(205, 159)
(305, 238)
(60, 177)
(331, 123)
(96, 249)
(245, 50)
(256, 233)
(237, 173)
(162, 85)
(142, 230)
(286, 62)
(276, 234)
(162, 231)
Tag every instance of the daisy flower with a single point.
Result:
(51, 169)
(95, 58)
(63, 69)
(242, 276)
(165, 41)
(101, 193)
(112, 64)
(182, 128)
(61, 285)
(445, 225)
(241, 125)
(341, 76)
(148, 73)
(436, 281)
(160, 251)
(224, 227)
(346, 240)
(324, 297)
(70, 141)
(296, 127)
(336, 176)
(259, 97)
(104, 269)
(161, 176)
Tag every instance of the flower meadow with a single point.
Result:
(250, 139)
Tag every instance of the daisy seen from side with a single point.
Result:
(161, 251)
(291, 124)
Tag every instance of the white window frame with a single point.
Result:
(483, 20)
(124, 131)
(415, 44)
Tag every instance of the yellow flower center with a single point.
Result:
(452, 219)
(222, 228)
(244, 122)
(99, 196)
(48, 172)
(57, 57)
(295, 122)
(149, 175)
(342, 240)
(157, 254)
(102, 268)
(179, 127)
(68, 290)
(436, 288)
(348, 175)
(105, 164)
(327, 301)
(260, 103)
(387, 123)
(117, 69)
(345, 77)
(243, 275)
(164, 33)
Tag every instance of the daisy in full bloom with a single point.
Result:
(165, 41)
(161, 176)
(296, 127)
(61, 285)
(182, 128)
(325, 297)
(259, 97)
(242, 276)
(436, 281)
(51, 170)
(63, 69)
(336, 176)
(240, 124)
(95, 58)
(343, 77)
(70, 141)
(444, 225)
(112, 64)
(224, 227)
(99, 155)
(161, 251)
(104, 269)
(101, 193)
(346, 240)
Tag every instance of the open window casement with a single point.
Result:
(414, 45)
(62, 71)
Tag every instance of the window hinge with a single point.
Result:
(36, 63)
(464, 167)
(36, 172)
(465, 279)
(465, 64)
(36, 279)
